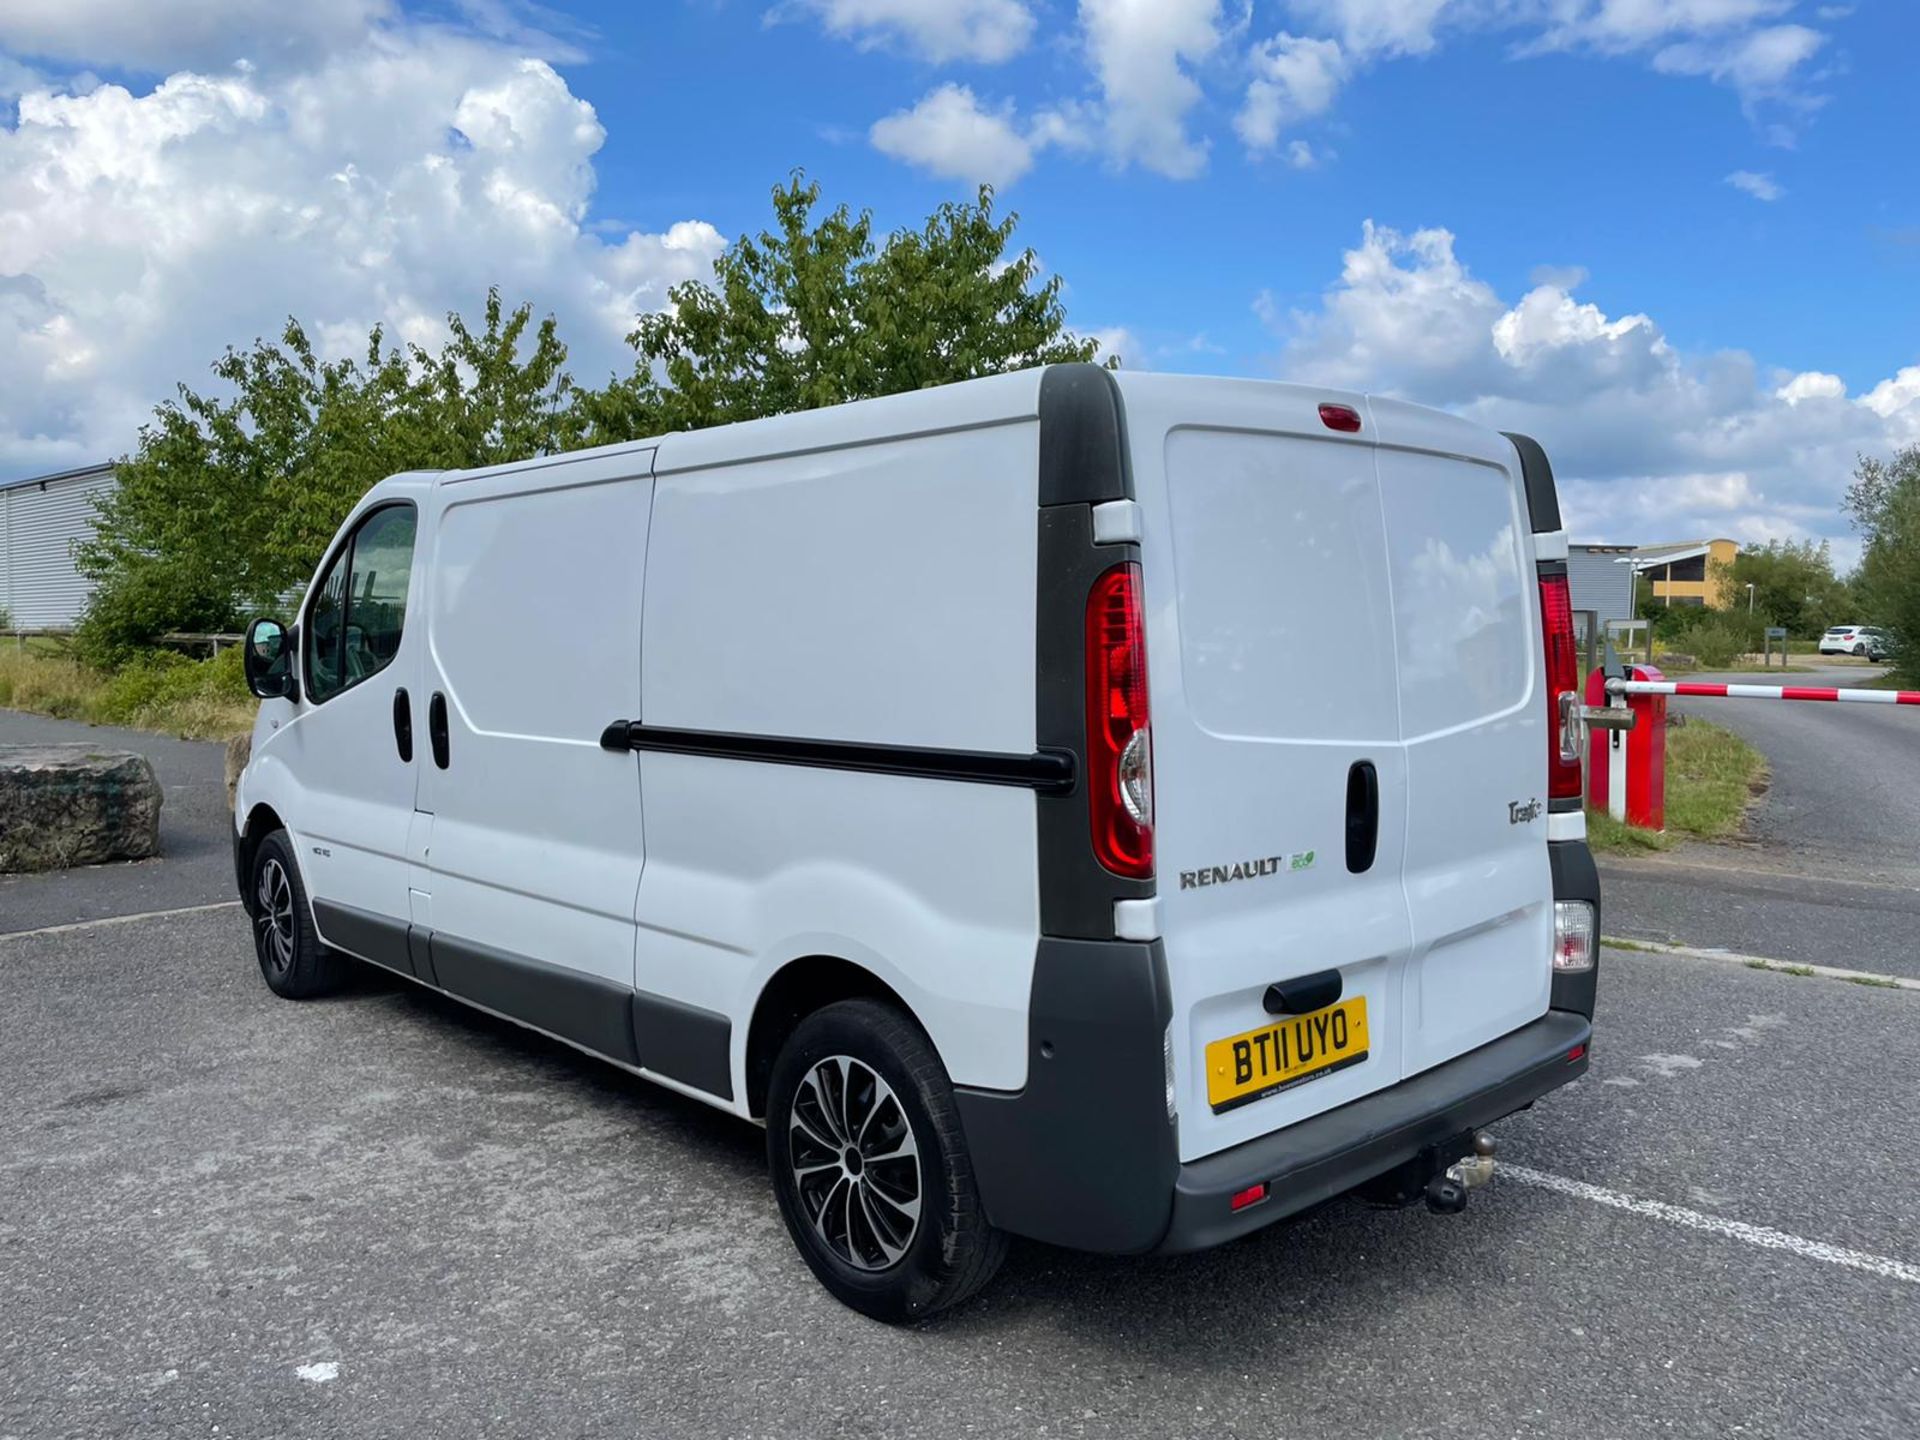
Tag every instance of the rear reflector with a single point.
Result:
(1578, 1052)
(1252, 1195)
(1343, 418)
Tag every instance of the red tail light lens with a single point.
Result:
(1343, 418)
(1119, 741)
(1563, 674)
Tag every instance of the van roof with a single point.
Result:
(966, 404)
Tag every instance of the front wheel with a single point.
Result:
(870, 1166)
(293, 962)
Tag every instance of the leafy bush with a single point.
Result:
(203, 699)
(1718, 639)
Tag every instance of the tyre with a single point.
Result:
(870, 1166)
(295, 965)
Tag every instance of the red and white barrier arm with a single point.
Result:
(1762, 692)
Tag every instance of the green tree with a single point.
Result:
(1793, 586)
(1884, 503)
(228, 502)
(816, 311)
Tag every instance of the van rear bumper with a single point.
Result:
(1330, 1154)
(1085, 1156)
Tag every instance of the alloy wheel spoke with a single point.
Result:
(892, 1244)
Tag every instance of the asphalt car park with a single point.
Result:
(385, 1214)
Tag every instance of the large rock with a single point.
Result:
(73, 805)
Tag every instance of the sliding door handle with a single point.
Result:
(403, 726)
(437, 728)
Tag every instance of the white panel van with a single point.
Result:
(1122, 810)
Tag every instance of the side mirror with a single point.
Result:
(269, 661)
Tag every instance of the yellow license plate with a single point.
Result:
(1244, 1068)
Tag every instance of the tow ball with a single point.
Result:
(1447, 1192)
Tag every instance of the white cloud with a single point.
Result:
(1380, 27)
(1624, 25)
(1756, 184)
(1301, 155)
(160, 35)
(949, 134)
(1141, 51)
(1294, 79)
(1650, 443)
(141, 233)
(988, 31)
(1297, 77)
(1812, 385)
(1760, 64)
(1120, 341)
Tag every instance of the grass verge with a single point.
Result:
(194, 699)
(1713, 776)
(1891, 680)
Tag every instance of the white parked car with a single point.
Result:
(960, 785)
(1868, 641)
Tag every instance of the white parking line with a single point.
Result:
(1756, 1235)
(120, 920)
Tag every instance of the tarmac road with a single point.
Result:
(1831, 873)
(223, 1213)
(388, 1215)
(196, 857)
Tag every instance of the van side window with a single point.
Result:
(360, 606)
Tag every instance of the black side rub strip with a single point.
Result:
(1050, 772)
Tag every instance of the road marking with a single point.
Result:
(121, 919)
(1761, 962)
(1757, 1235)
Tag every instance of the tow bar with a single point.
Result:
(1447, 1192)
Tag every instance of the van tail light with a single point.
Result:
(1563, 677)
(1119, 739)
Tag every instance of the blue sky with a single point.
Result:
(1678, 239)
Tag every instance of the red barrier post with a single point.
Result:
(1647, 754)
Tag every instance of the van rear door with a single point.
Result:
(1473, 723)
(1341, 658)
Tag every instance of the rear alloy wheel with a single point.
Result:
(293, 962)
(870, 1166)
(1859, 650)
(855, 1164)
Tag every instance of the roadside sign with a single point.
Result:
(1776, 632)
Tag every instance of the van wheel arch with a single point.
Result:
(795, 991)
(261, 822)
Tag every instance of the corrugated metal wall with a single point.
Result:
(39, 521)
(1600, 585)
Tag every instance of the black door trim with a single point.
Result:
(377, 939)
(588, 1010)
(684, 1043)
(668, 1037)
(1050, 772)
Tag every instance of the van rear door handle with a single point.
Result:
(1363, 816)
(437, 728)
(403, 726)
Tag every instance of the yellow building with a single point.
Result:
(1692, 572)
